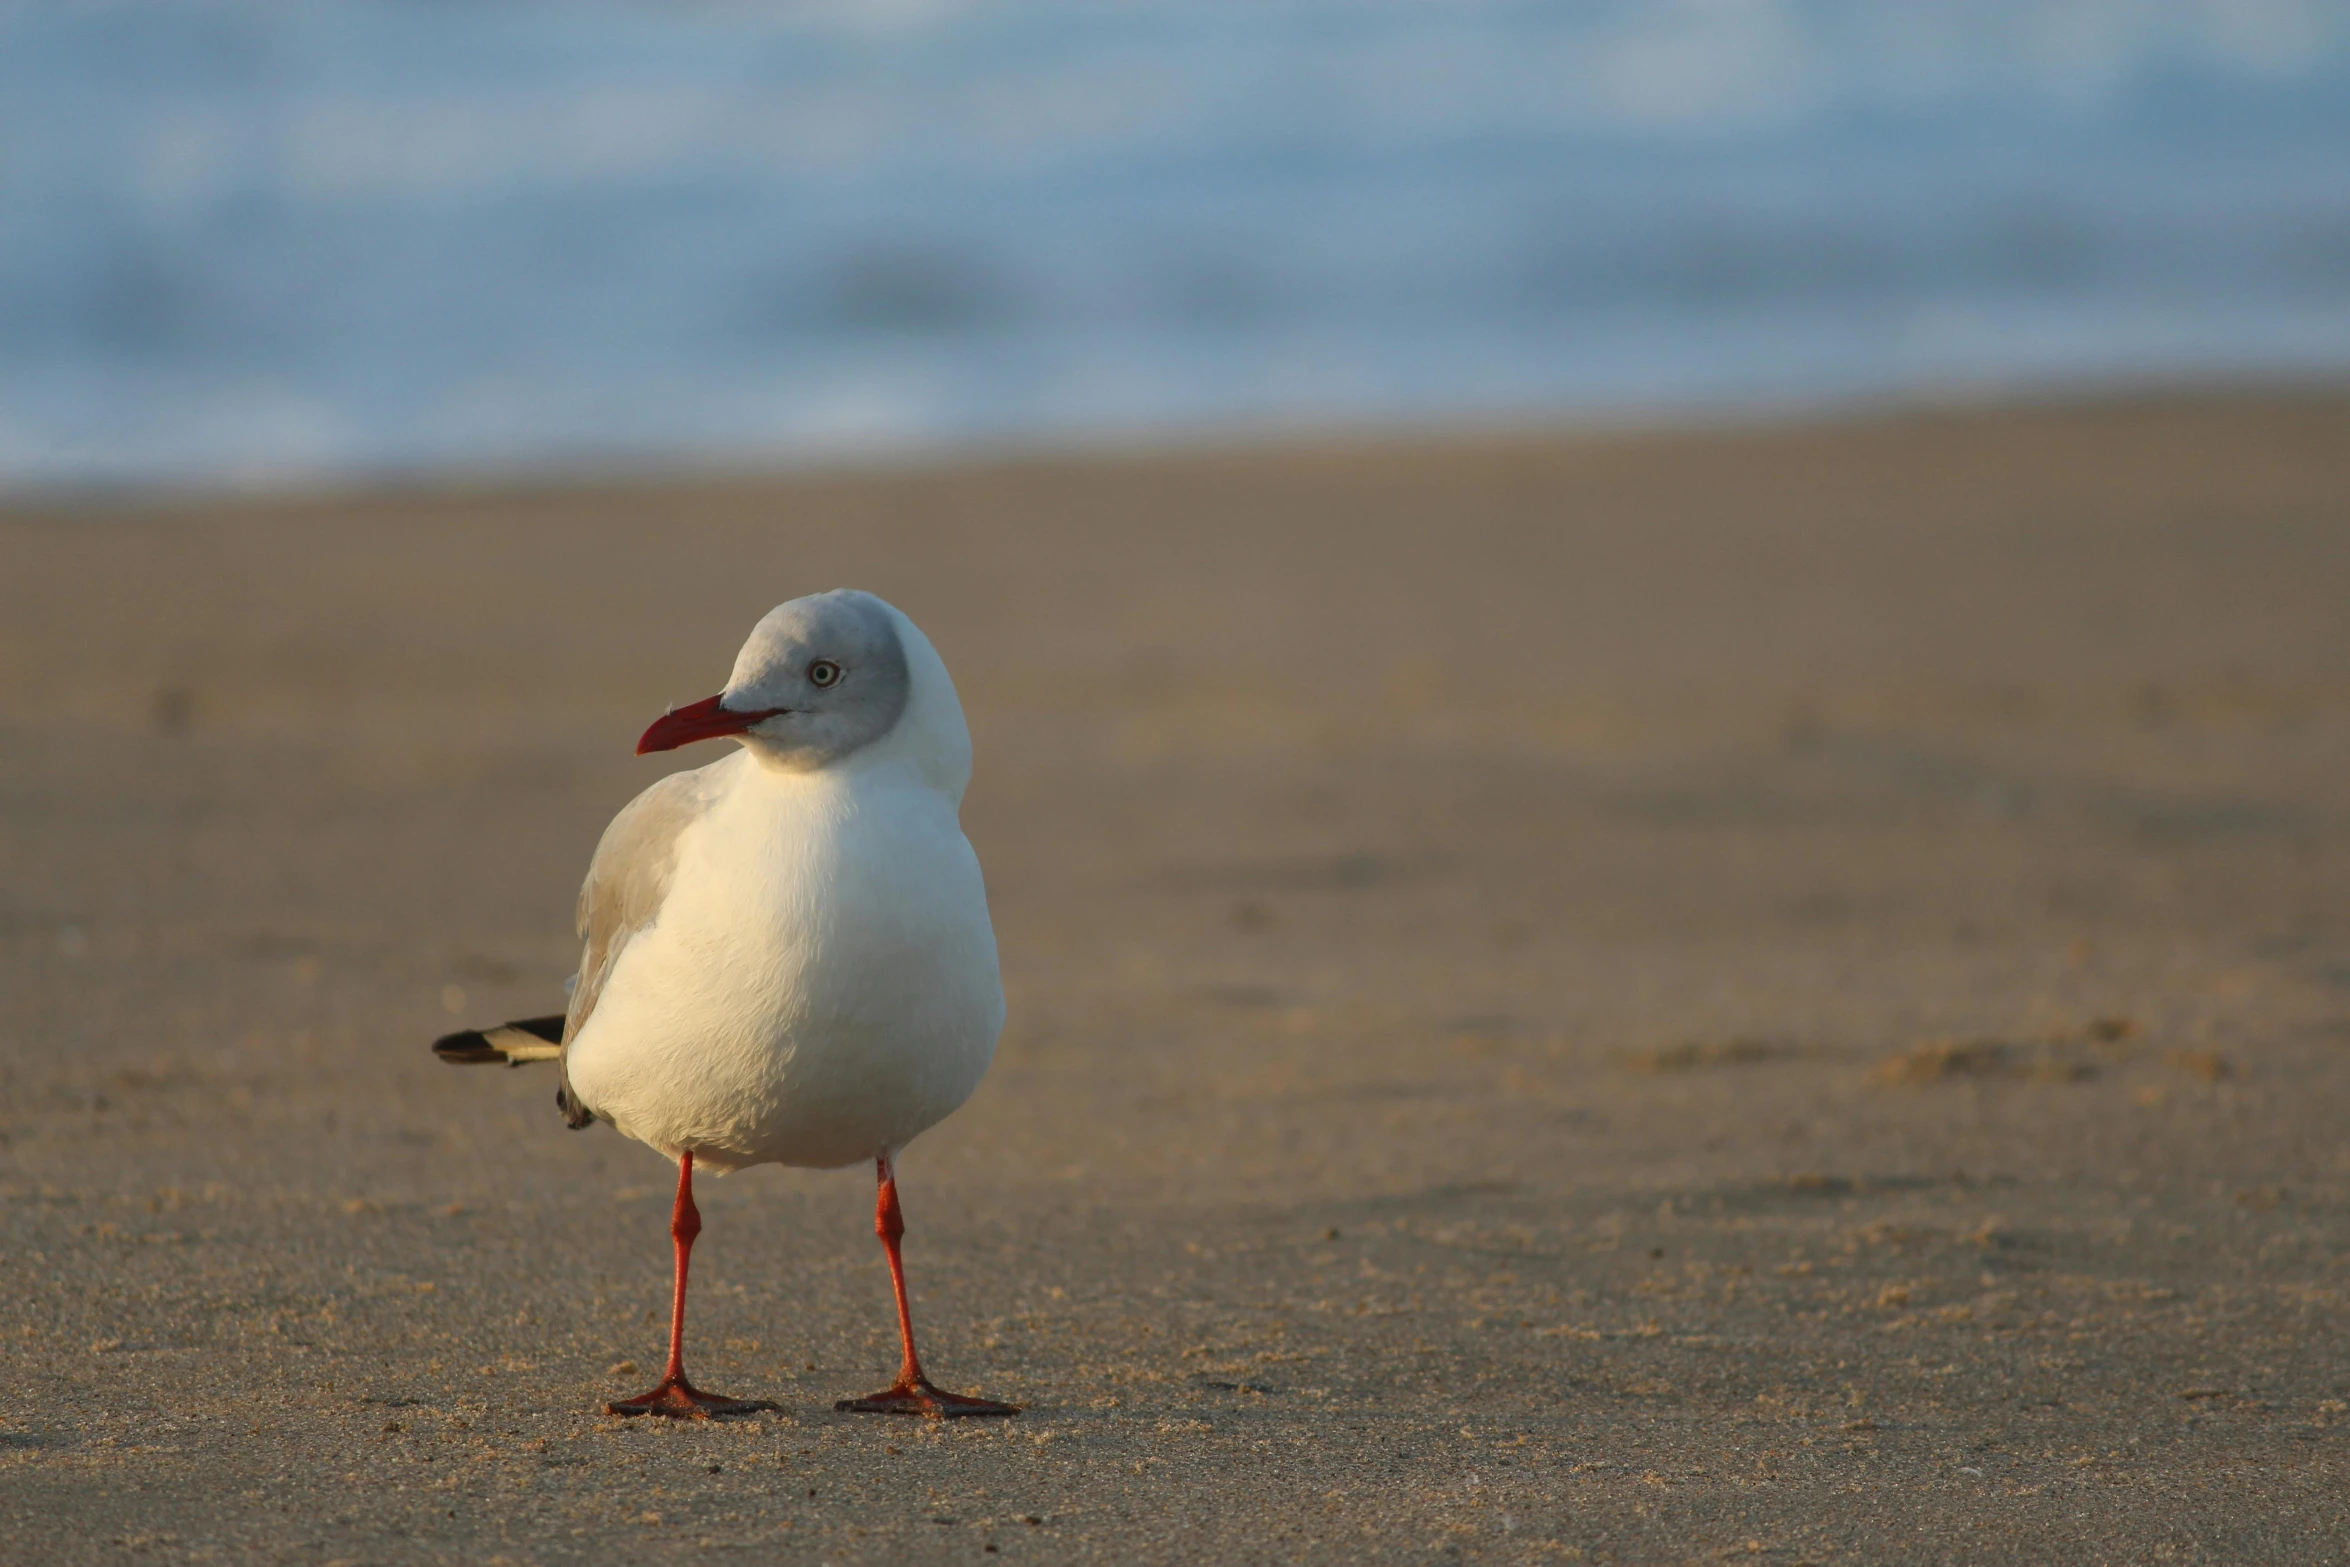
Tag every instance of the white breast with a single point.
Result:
(820, 985)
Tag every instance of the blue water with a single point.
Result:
(253, 242)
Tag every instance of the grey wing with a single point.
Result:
(626, 882)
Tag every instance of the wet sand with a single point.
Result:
(1778, 993)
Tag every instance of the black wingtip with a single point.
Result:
(475, 1047)
(470, 1048)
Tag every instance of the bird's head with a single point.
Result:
(821, 678)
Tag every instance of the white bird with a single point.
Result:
(788, 955)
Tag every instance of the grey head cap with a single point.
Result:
(834, 663)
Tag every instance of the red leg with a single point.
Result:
(912, 1393)
(674, 1395)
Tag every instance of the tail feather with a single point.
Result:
(530, 1039)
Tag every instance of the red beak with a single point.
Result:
(703, 720)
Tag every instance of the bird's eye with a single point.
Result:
(823, 672)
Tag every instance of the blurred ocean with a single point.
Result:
(251, 241)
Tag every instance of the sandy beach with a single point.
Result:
(1777, 993)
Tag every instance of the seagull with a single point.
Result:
(788, 956)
